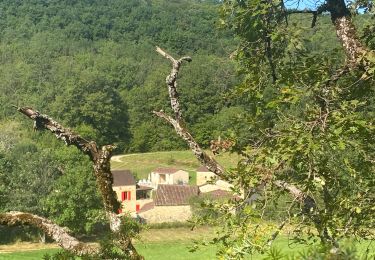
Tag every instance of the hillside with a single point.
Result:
(142, 164)
(92, 65)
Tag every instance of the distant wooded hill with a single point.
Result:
(92, 65)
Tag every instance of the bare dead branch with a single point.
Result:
(315, 13)
(100, 158)
(57, 233)
(65, 134)
(171, 80)
(178, 122)
(203, 157)
(309, 204)
(199, 153)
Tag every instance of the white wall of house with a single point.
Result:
(180, 177)
(170, 178)
(204, 177)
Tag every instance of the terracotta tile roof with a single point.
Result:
(174, 195)
(147, 207)
(165, 170)
(218, 194)
(123, 178)
(203, 169)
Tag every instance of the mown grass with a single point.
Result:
(180, 250)
(142, 164)
(28, 255)
(174, 243)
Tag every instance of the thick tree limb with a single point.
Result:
(178, 122)
(65, 134)
(307, 201)
(57, 233)
(200, 154)
(171, 81)
(346, 32)
(100, 158)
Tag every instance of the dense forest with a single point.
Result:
(92, 66)
(97, 56)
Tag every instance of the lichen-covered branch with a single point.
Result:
(65, 134)
(357, 54)
(201, 155)
(178, 122)
(57, 233)
(206, 160)
(171, 81)
(100, 158)
(307, 201)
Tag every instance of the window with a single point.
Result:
(124, 195)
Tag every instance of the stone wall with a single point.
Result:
(161, 214)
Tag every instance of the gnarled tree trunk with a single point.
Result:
(100, 158)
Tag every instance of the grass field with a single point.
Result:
(142, 164)
(160, 244)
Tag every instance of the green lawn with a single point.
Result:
(143, 163)
(27, 255)
(175, 250)
(174, 243)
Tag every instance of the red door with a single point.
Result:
(137, 207)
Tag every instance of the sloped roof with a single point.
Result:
(203, 169)
(165, 170)
(219, 194)
(123, 178)
(147, 207)
(174, 195)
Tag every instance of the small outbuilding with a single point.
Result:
(171, 204)
(204, 175)
(168, 176)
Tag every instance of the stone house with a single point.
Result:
(208, 181)
(204, 175)
(131, 195)
(168, 176)
(171, 204)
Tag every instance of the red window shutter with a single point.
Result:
(129, 195)
(137, 207)
(123, 196)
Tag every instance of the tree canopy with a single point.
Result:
(299, 110)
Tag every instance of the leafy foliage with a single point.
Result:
(304, 129)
